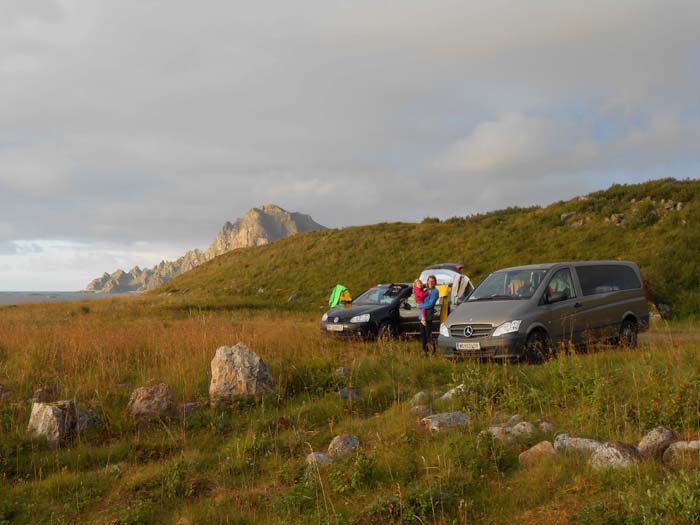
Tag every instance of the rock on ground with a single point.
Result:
(545, 426)
(237, 371)
(150, 403)
(445, 421)
(567, 443)
(614, 455)
(682, 451)
(457, 391)
(54, 421)
(421, 398)
(502, 435)
(318, 458)
(342, 446)
(655, 443)
(421, 411)
(534, 454)
(523, 431)
(87, 419)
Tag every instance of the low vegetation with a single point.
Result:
(654, 224)
(246, 464)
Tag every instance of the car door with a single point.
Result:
(558, 307)
(408, 316)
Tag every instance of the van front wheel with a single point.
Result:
(536, 347)
(628, 334)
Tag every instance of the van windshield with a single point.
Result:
(509, 285)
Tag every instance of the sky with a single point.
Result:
(130, 131)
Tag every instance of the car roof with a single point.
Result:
(548, 266)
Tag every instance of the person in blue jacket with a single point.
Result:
(428, 312)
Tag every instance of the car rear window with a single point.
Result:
(607, 278)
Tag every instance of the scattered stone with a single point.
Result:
(237, 371)
(318, 458)
(87, 419)
(341, 371)
(614, 455)
(679, 206)
(655, 443)
(577, 224)
(566, 216)
(261, 290)
(348, 394)
(45, 394)
(342, 446)
(534, 454)
(668, 204)
(523, 431)
(150, 403)
(514, 420)
(54, 421)
(501, 434)
(567, 443)
(545, 426)
(457, 391)
(421, 411)
(421, 398)
(617, 219)
(445, 421)
(682, 451)
(293, 298)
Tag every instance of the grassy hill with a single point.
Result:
(641, 222)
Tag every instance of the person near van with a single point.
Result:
(419, 293)
(428, 312)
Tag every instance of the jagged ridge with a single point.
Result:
(257, 227)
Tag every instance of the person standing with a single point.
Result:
(428, 313)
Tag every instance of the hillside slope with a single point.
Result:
(654, 223)
(257, 227)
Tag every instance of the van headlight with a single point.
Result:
(444, 330)
(324, 318)
(360, 318)
(507, 328)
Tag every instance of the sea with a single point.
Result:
(42, 297)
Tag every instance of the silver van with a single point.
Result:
(531, 311)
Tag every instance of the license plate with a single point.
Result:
(468, 346)
(334, 327)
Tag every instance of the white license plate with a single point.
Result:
(334, 327)
(468, 346)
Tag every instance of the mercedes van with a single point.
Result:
(528, 312)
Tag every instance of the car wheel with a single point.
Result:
(386, 331)
(536, 347)
(628, 334)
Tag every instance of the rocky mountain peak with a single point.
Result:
(260, 225)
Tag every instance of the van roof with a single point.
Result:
(547, 266)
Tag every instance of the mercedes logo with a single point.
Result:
(468, 331)
(335, 320)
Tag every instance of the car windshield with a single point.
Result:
(509, 285)
(384, 294)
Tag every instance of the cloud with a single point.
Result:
(126, 122)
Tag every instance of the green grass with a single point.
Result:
(662, 242)
(246, 464)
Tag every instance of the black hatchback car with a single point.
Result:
(385, 311)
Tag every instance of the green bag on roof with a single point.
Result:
(336, 294)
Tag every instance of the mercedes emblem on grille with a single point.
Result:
(468, 331)
(335, 320)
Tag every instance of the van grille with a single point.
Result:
(480, 330)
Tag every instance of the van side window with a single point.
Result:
(607, 278)
(560, 283)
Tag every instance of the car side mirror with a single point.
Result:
(557, 297)
(406, 306)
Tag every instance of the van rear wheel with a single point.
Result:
(536, 347)
(629, 332)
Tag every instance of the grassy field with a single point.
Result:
(247, 464)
